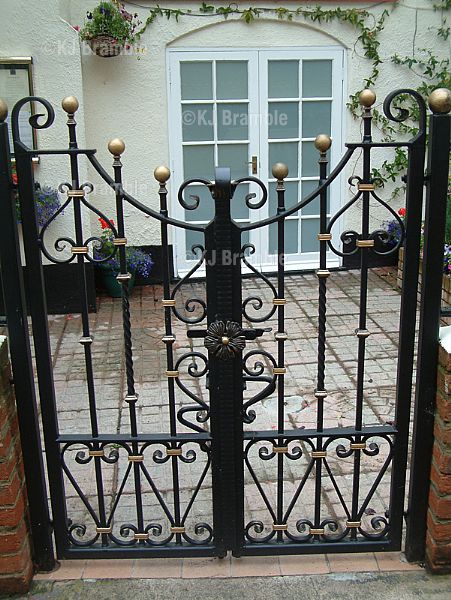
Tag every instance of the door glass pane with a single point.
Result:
(235, 156)
(192, 238)
(197, 122)
(283, 120)
(198, 162)
(285, 152)
(233, 121)
(315, 118)
(309, 158)
(196, 80)
(291, 196)
(283, 79)
(205, 210)
(239, 208)
(309, 235)
(313, 207)
(316, 78)
(231, 79)
(291, 237)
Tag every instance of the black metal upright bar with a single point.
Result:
(21, 362)
(224, 305)
(322, 143)
(434, 234)
(38, 310)
(408, 311)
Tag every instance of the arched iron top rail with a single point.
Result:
(388, 107)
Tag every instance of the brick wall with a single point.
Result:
(16, 568)
(438, 541)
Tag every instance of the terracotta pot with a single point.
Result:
(105, 46)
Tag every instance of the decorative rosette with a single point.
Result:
(224, 340)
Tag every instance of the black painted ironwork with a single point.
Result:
(214, 434)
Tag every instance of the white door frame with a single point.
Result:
(258, 104)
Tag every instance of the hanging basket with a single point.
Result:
(105, 46)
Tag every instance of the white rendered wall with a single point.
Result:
(127, 97)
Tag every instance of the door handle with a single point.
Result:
(254, 163)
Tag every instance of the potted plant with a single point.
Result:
(108, 28)
(138, 262)
(46, 199)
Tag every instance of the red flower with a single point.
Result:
(104, 224)
(14, 178)
(402, 212)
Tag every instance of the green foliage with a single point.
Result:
(448, 223)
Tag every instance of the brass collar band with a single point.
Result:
(320, 394)
(135, 458)
(104, 529)
(123, 277)
(172, 373)
(317, 531)
(365, 243)
(79, 250)
(323, 273)
(280, 449)
(166, 302)
(319, 454)
(85, 340)
(365, 187)
(357, 446)
(280, 336)
(75, 194)
(141, 536)
(353, 524)
(362, 333)
(279, 370)
(177, 529)
(279, 527)
(173, 452)
(131, 398)
(96, 453)
(168, 339)
(324, 237)
(279, 301)
(120, 241)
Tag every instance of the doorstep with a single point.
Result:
(251, 566)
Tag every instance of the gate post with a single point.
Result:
(224, 307)
(434, 234)
(19, 346)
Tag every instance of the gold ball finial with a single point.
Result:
(70, 104)
(116, 146)
(162, 174)
(323, 142)
(3, 110)
(280, 171)
(367, 98)
(440, 101)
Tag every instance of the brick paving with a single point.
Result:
(300, 402)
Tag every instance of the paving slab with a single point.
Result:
(339, 586)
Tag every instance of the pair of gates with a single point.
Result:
(210, 430)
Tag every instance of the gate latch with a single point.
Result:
(225, 339)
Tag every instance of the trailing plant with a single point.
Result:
(46, 200)
(110, 18)
(138, 261)
(433, 71)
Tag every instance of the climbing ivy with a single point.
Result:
(432, 71)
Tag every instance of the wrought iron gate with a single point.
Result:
(210, 432)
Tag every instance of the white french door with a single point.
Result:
(248, 109)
